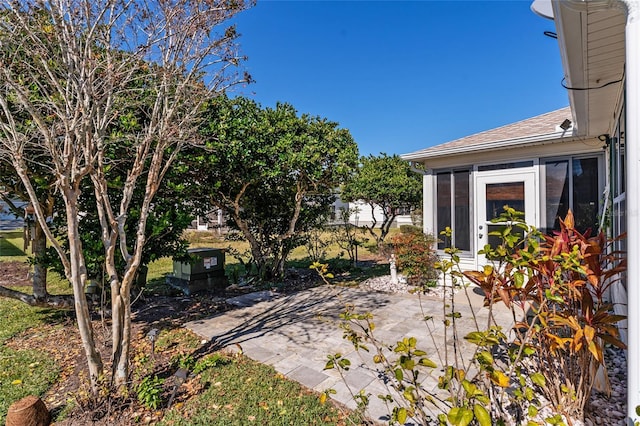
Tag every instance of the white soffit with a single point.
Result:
(592, 46)
(542, 8)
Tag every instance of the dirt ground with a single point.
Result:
(149, 311)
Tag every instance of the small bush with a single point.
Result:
(345, 235)
(554, 287)
(211, 361)
(317, 244)
(149, 392)
(410, 229)
(416, 257)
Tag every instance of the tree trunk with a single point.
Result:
(121, 330)
(39, 248)
(78, 279)
(254, 245)
(279, 265)
(121, 372)
(386, 225)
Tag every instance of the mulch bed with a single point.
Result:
(14, 274)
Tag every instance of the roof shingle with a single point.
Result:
(543, 124)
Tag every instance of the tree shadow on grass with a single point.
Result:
(7, 248)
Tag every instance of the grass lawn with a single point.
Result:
(23, 371)
(11, 246)
(234, 391)
(240, 391)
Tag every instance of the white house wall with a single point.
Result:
(594, 54)
(363, 215)
(469, 260)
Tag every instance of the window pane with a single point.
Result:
(586, 194)
(557, 193)
(462, 229)
(443, 195)
(499, 195)
(504, 166)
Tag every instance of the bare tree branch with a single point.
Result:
(70, 72)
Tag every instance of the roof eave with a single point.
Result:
(570, 31)
(593, 66)
(488, 146)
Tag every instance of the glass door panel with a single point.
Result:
(494, 193)
(499, 195)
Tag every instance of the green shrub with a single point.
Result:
(149, 392)
(554, 288)
(416, 257)
(210, 361)
(561, 281)
(410, 229)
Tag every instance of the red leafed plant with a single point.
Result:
(416, 257)
(561, 282)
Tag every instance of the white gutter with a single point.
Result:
(632, 143)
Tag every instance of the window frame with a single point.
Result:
(451, 172)
(600, 158)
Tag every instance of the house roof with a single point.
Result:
(536, 129)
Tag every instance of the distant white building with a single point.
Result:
(362, 215)
(8, 220)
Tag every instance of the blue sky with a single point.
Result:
(403, 76)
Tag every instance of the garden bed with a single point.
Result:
(164, 309)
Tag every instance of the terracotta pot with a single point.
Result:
(29, 411)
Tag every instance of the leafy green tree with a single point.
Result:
(168, 218)
(387, 182)
(74, 67)
(272, 172)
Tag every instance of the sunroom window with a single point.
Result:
(572, 183)
(454, 208)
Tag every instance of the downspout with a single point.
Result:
(632, 48)
(415, 169)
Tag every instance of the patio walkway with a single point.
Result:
(295, 333)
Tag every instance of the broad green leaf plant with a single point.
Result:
(539, 371)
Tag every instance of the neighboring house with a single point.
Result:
(362, 215)
(215, 219)
(7, 220)
(592, 167)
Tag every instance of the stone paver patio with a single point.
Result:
(294, 333)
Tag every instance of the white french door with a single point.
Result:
(493, 192)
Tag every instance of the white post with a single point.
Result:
(429, 204)
(633, 206)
